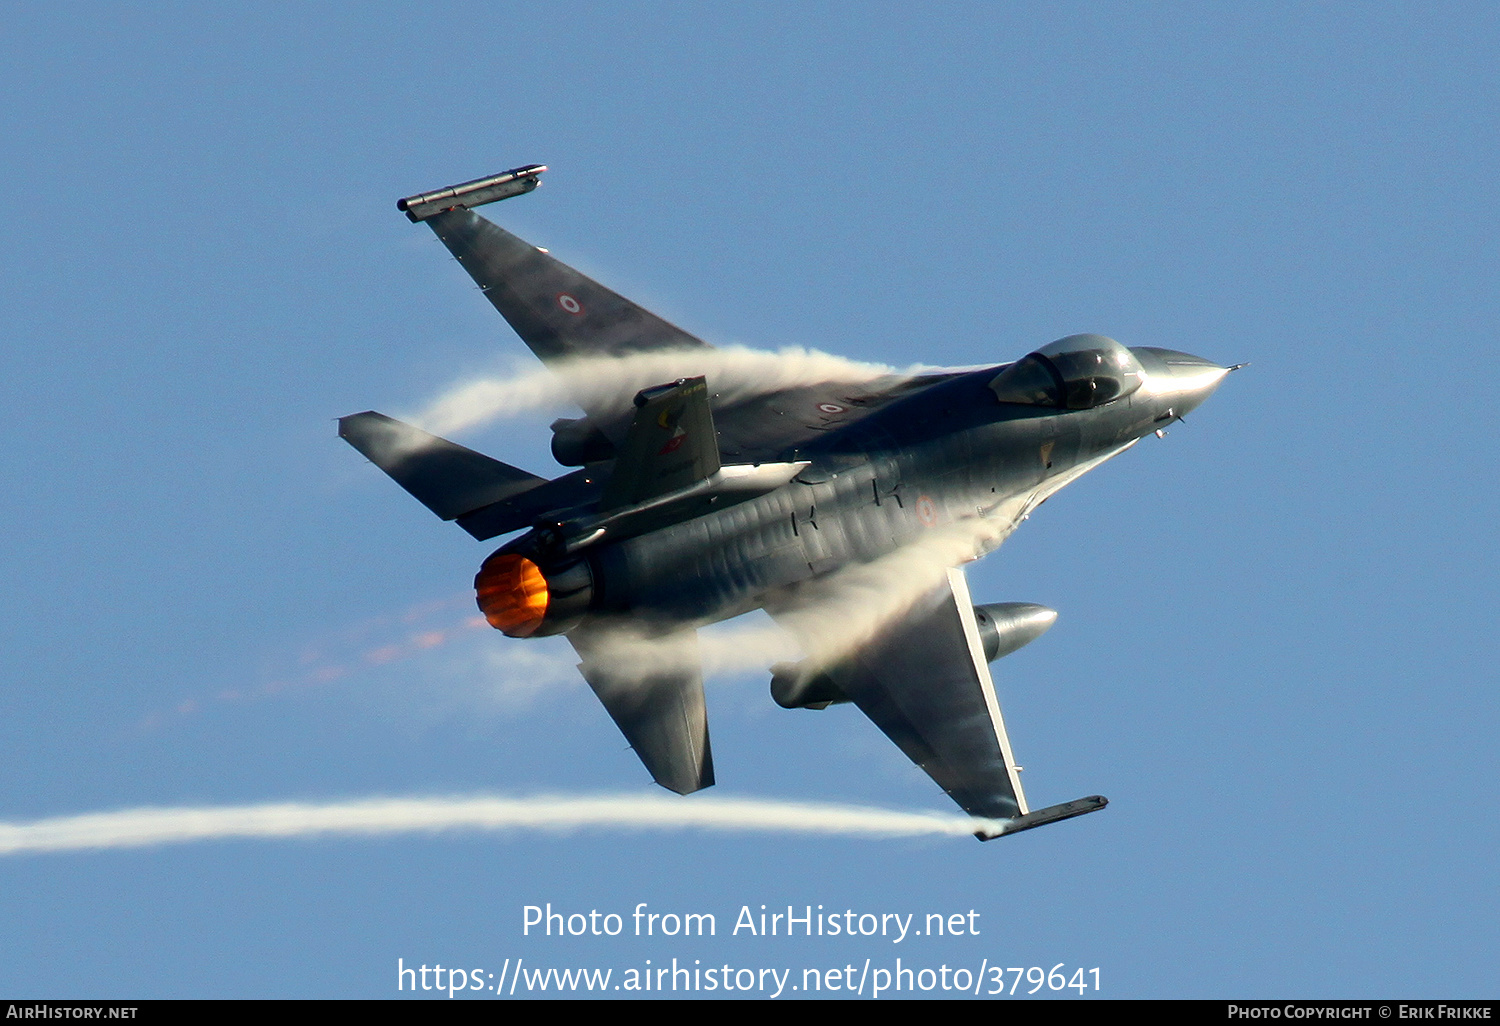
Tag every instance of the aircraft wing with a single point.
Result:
(561, 315)
(925, 682)
(769, 424)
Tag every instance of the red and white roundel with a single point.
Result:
(927, 514)
(830, 408)
(569, 304)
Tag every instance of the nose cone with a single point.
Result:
(1178, 381)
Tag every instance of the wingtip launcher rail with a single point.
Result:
(515, 182)
(1051, 814)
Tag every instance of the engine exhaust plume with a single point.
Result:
(153, 827)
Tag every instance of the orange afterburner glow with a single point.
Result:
(512, 594)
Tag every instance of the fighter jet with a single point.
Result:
(692, 504)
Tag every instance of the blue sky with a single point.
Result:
(1274, 654)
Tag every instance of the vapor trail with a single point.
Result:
(835, 615)
(831, 617)
(734, 372)
(152, 827)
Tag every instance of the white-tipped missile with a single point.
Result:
(515, 182)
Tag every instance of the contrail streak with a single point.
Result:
(832, 616)
(152, 827)
(734, 372)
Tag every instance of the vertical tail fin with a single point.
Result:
(671, 444)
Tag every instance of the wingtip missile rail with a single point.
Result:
(1041, 817)
(515, 182)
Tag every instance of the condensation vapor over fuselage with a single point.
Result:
(946, 454)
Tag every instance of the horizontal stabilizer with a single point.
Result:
(442, 475)
(524, 509)
(653, 690)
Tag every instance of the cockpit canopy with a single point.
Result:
(1074, 373)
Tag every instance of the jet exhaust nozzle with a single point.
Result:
(521, 599)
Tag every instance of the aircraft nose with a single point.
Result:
(1179, 381)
